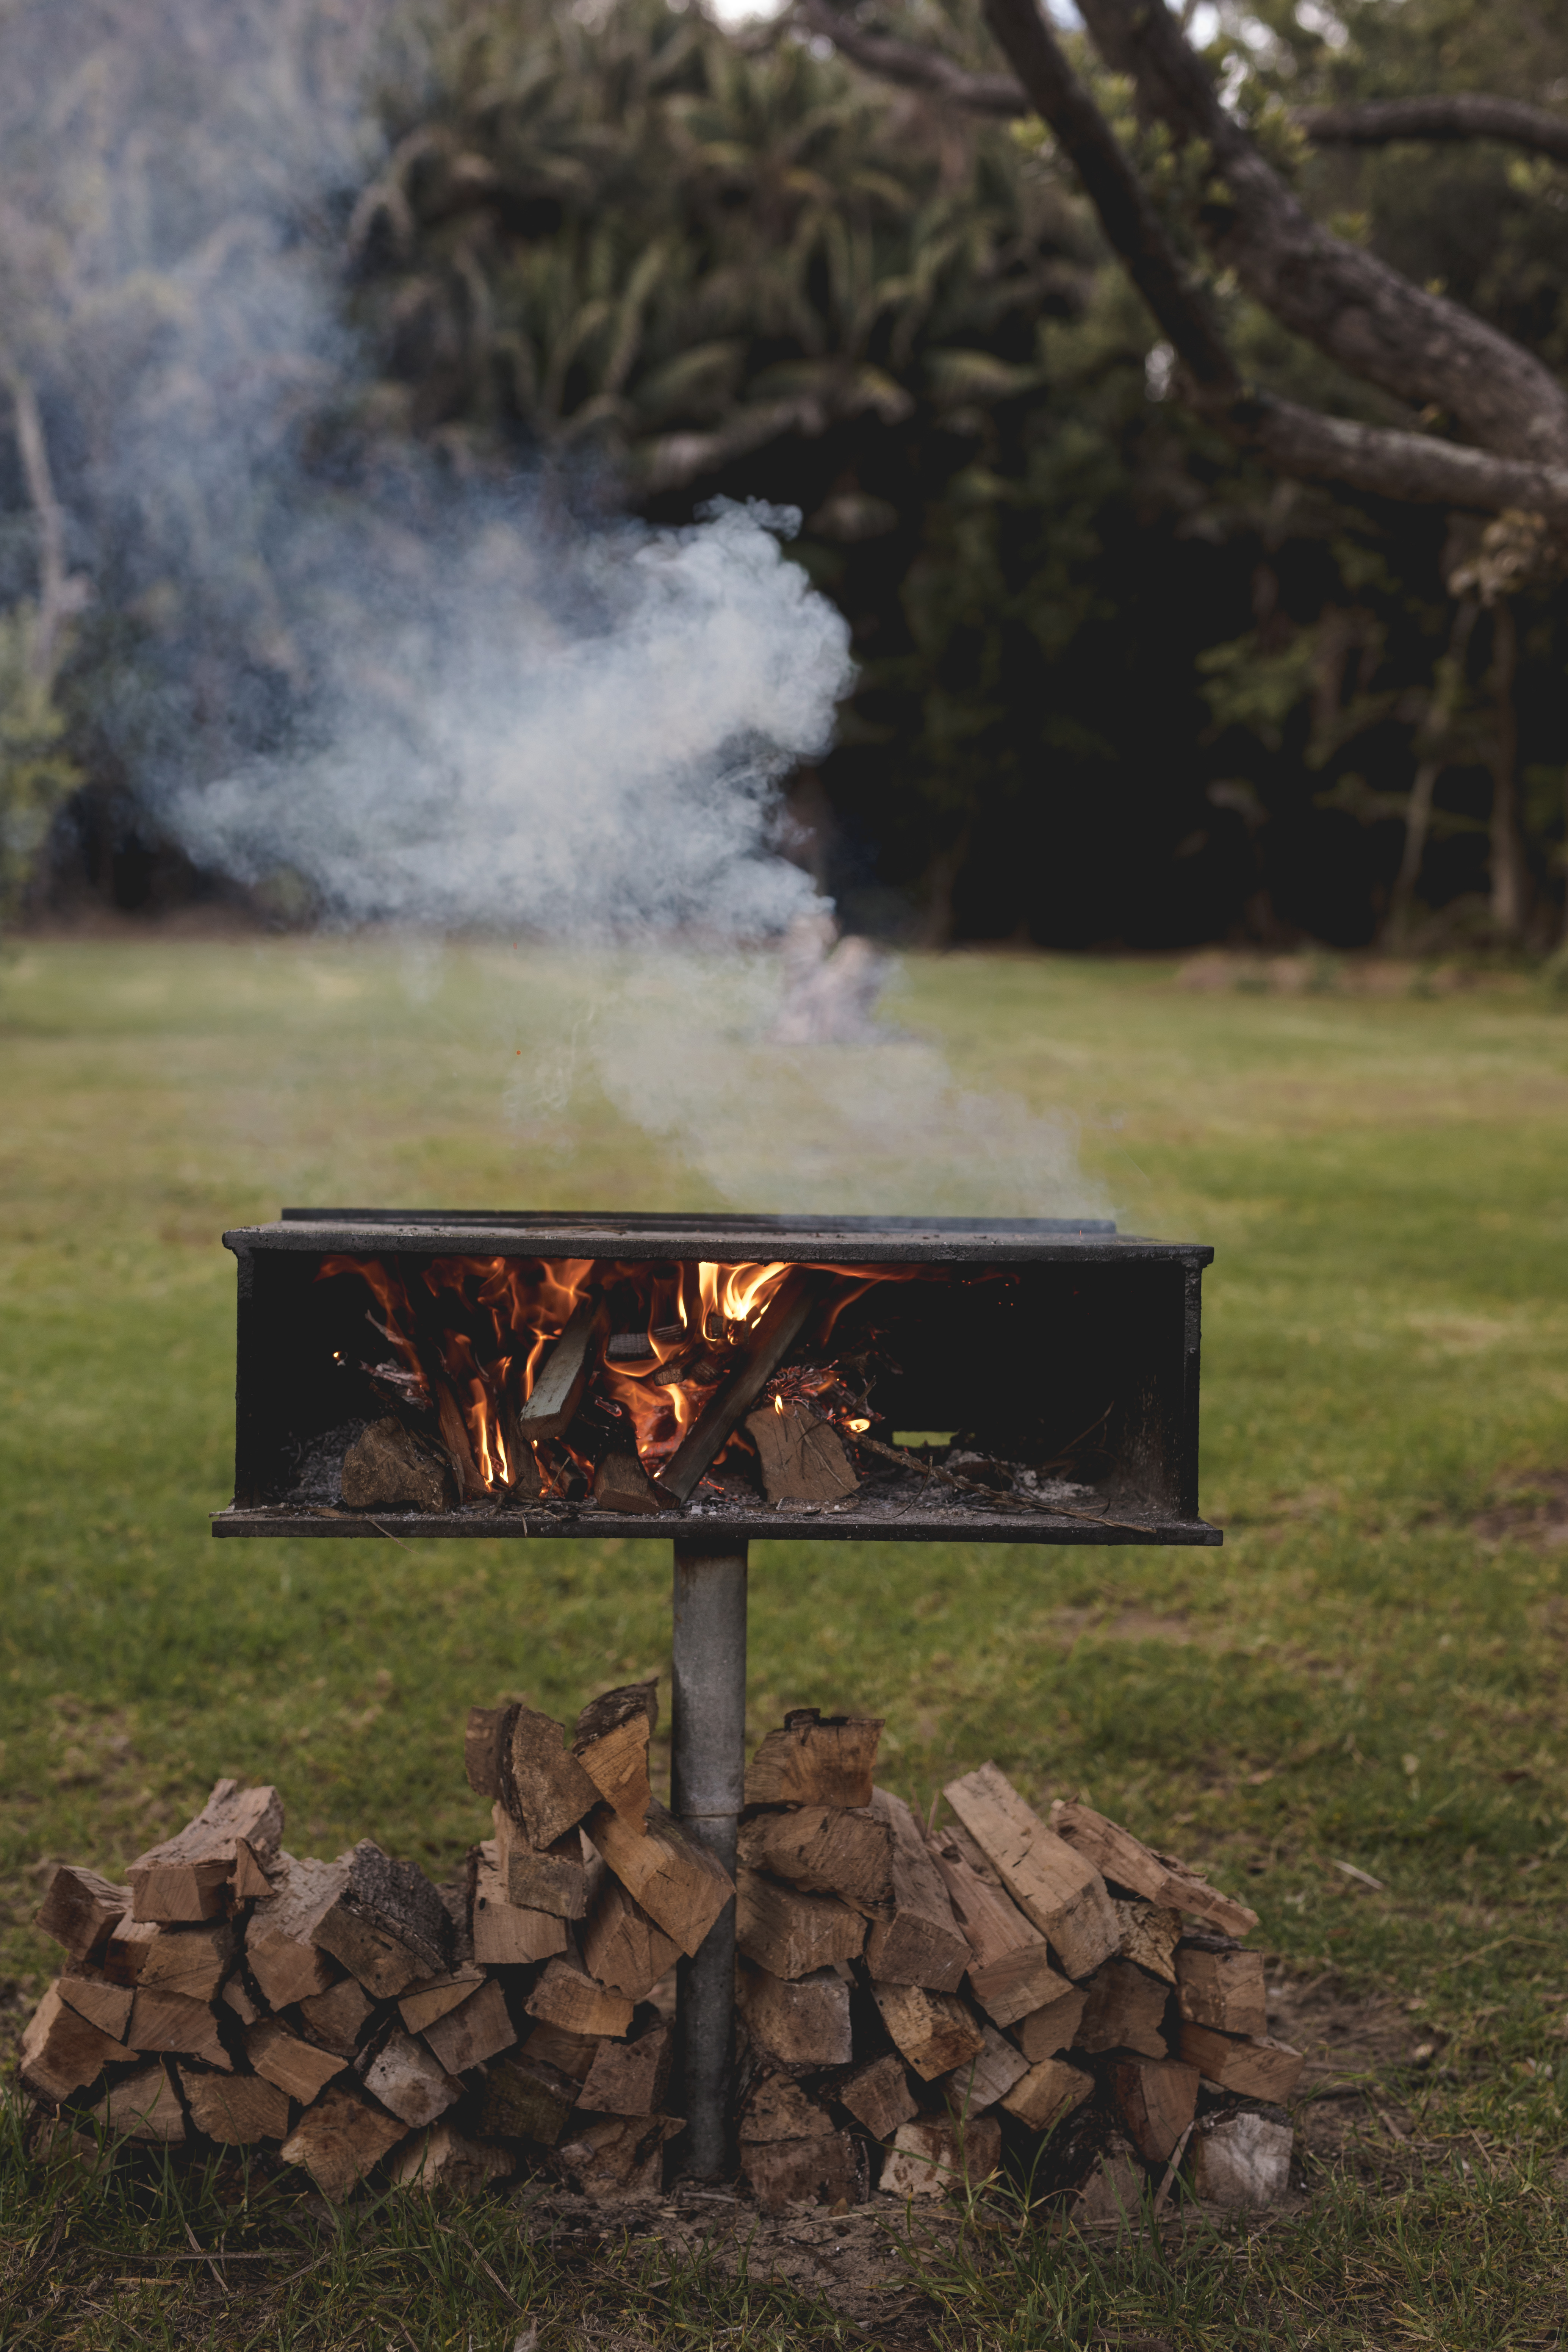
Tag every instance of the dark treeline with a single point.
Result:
(1118, 684)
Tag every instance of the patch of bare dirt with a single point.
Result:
(1343, 2112)
(1533, 1509)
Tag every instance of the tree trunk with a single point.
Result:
(1510, 880)
(1432, 743)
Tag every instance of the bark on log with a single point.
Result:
(388, 1925)
(486, 1736)
(1241, 2161)
(815, 1760)
(386, 1468)
(612, 1746)
(188, 1876)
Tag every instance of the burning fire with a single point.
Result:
(471, 1336)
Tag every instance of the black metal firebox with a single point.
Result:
(1065, 1352)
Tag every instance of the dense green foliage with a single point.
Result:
(1115, 682)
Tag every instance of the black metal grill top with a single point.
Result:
(546, 1232)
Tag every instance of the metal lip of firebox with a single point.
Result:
(825, 1240)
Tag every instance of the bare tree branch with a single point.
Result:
(1418, 346)
(1388, 464)
(914, 67)
(1467, 116)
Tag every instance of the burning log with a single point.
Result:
(621, 1483)
(387, 1468)
(189, 1876)
(557, 1392)
(611, 1745)
(815, 1760)
(1052, 1885)
(775, 1331)
(803, 1459)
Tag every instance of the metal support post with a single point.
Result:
(707, 1776)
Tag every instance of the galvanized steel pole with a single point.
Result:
(707, 1776)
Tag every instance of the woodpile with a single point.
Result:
(916, 2001)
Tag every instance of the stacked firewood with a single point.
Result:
(913, 2002)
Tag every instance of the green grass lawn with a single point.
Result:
(1358, 1676)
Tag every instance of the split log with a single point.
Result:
(1054, 2027)
(409, 2082)
(280, 1951)
(504, 1935)
(801, 2024)
(935, 2032)
(1241, 2160)
(622, 1947)
(679, 1883)
(803, 1459)
(467, 1481)
(525, 2098)
(557, 1392)
(336, 2019)
(1157, 2099)
(143, 2106)
(97, 1998)
(779, 2109)
(1252, 2065)
(878, 2095)
(970, 2089)
(621, 1483)
(1126, 2010)
(789, 1932)
(815, 1760)
(192, 1961)
(435, 1997)
(474, 2033)
(340, 2139)
(929, 2156)
(1054, 1886)
(567, 1996)
(125, 1953)
(825, 2170)
(252, 1876)
(236, 1998)
(442, 2159)
(81, 1908)
(618, 2159)
(776, 1329)
(388, 1469)
(1150, 1936)
(188, 1876)
(485, 1740)
(296, 2066)
(829, 1849)
(388, 1925)
(1117, 1855)
(62, 2051)
(611, 1745)
(562, 1880)
(1114, 2192)
(236, 2110)
(918, 1941)
(1051, 2090)
(572, 2054)
(1010, 1973)
(630, 2078)
(161, 2020)
(543, 1787)
(1219, 1984)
